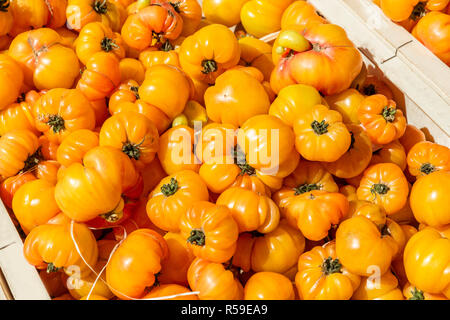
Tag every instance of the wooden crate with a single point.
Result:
(420, 82)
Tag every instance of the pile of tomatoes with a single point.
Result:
(427, 20)
(147, 152)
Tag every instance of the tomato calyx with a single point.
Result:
(51, 268)
(169, 189)
(379, 188)
(56, 123)
(427, 168)
(108, 44)
(135, 90)
(306, 187)
(157, 38)
(416, 294)
(101, 6)
(389, 114)
(132, 150)
(197, 237)
(209, 66)
(32, 161)
(241, 162)
(4, 5)
(330, 266)
(319, 127)
(418, 12)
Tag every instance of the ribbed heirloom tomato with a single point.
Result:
(322, 57)
(75, 146)
(17, 116)
(427, 157)
(214, 281)
(256, 53)
(133, 266)
(46, 63)
(96, 37)
(152, 26)
(210, 230)
(173, 196)
(34, 14)
(226, 12)
(209, 52)
(300, 15)
(250, 210)
(321, 275)
(51, 246)
(62, 111)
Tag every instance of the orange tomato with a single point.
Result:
(210, 230)
(209, 52)
(225, 12)
(381, 119)
(385, 185)
(175, 194)
(46, 63)
(379, 288)
(299, 16)
(17, 116)
(81, 12)
(62, 111)
(10, 186)
(427, 157)
(135, 262)
(75, 146)
(11, 79)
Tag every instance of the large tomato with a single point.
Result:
(210, 230)
(393, 152)
(133, 265)
(315, 212)
(132, 133)
(381, 119)
(35, 14)
(320, 135)
(410, 292)
(362, 248)
(427, 260)
(322, 57)
(268, 286)
(250, 210)
(429, 199)
(51, 246)
(386, 185)
(167, 88)
(214, 281)
(62, 111)
(321, 275)
(427, 157)
(11, 78)
(173, 196)
(96, 37)
(101, 76)
(233, 89)
(261, 17)
(46, 63)
(85, 191)
(209, 52)
(18, 152)
(276, 251)
(81, 12)
(34, 204)
(152, 26)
